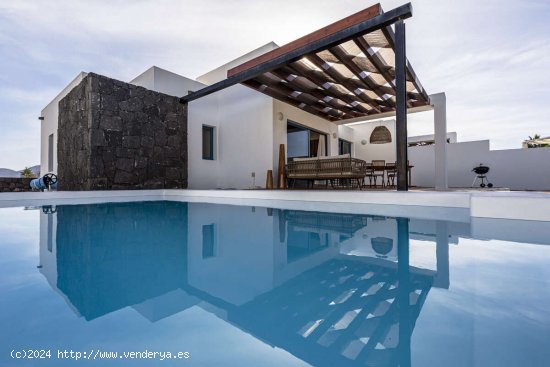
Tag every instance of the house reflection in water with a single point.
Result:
(332, 289)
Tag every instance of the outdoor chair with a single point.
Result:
(391, 172)
(378, 169)
(369, 173)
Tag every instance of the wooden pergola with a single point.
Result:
(352, 69)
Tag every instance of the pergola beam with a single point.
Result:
(310, 47)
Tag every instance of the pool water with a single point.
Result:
(227, 285)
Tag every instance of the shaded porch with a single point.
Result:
(352, 70)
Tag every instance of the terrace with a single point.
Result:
(355, 69)
(161, 243)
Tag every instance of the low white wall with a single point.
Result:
(517, 169)
(521, 169)
(449, 206)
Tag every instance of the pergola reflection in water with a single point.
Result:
(323, 306)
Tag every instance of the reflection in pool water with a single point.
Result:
(330, 289)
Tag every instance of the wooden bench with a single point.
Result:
(339, 170)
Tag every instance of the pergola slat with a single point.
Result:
(361, 23)
(297, 69)
(302, 97)
(343, 71)
(375, 59)
(315, 93)
(390, 36)
(281, 93)
(343, 81)
(343, 57)
(324, 33)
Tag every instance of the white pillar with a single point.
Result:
(442, 279)
(439, 103)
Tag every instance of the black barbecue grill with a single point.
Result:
(481, 173)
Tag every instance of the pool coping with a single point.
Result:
(519, 205)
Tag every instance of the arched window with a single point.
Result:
(380, 135)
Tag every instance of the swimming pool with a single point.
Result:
(216, 284)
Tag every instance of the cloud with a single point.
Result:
(490, 59)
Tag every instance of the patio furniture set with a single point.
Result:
(342, 171)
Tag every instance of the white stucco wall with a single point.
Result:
(347, 133)
(451, 137)
(520, 169)
(369, 151)
(517, 169)
(229, 275)
(220, 73)
(296, 115)
(243, 121)
(166, 82)
(361, 242)
(49, 125)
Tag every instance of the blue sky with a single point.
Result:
(492, 58)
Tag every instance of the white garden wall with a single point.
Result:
(517, 169)
(521, 169)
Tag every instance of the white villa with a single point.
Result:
(245, 127)
(234, 134)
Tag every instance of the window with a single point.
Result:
(302, 244)
(50, 153)
(50, 231)
(207, 142)
(344, 147)
(304, 142)
(208, 241)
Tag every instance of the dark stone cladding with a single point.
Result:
(14, 184)
(118, 136)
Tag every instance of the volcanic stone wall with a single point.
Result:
(120, 253)
(114, 135)
(14, 184)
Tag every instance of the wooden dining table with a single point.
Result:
(390, 168)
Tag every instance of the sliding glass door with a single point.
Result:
(303, 142)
